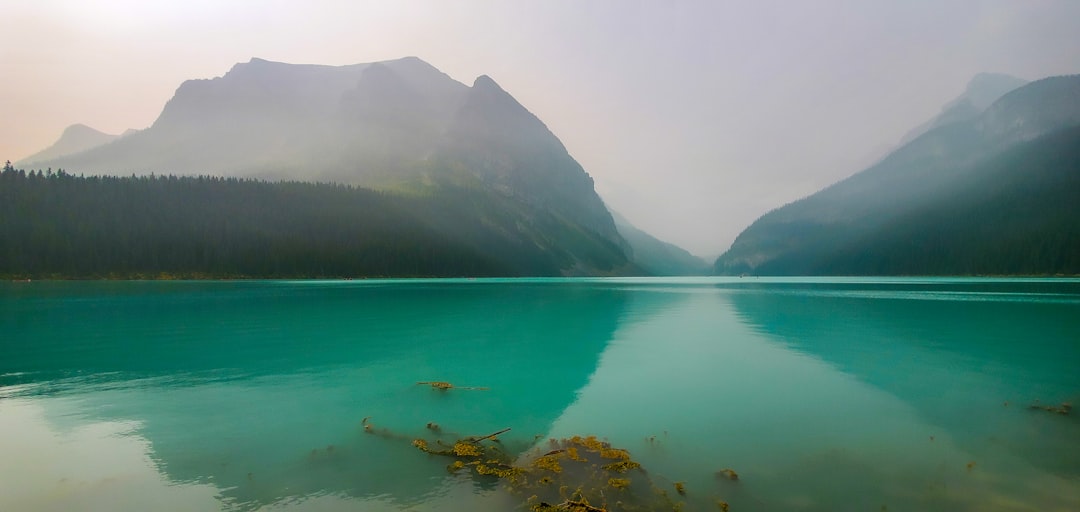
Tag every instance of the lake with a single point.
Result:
(822, 394)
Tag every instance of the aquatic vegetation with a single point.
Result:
(723, 505)
(1064, 409)
(466, 449)
(443, 386)
(440, 385)
(622, 466)
(619, 483)
(569, 506)
(730, 474)
(549, 463)
(574, 475)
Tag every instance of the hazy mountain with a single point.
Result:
(981, 92)
(991, 195)
(76, 138)
(656, 256)
(493, 175)
(275, 120)
(511, 151)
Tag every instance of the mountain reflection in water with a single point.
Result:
(822, 394)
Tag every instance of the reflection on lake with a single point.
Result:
(846, 394)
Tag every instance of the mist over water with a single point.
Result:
(823, 394)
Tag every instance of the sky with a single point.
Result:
(693, 118)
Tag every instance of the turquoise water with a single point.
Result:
(824, 394)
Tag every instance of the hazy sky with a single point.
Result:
(694, 118)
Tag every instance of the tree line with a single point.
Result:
(57, 225)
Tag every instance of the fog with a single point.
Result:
(694, 118)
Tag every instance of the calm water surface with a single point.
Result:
(824, 394)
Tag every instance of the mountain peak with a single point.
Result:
(79, 129)
(1031, 111)
(986, 88)
(393, 124)
(486, 82)
(489, 97)
(981, 91)
(75, 138)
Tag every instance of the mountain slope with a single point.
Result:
(76, 138)
(489, 173)
(981, 92)
(510, 151)
(1017, 213)
(657, 257)
(945, 181)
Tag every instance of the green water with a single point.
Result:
(824, 394)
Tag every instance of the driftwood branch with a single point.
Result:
(489, 436)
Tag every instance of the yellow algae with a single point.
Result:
(578, 474)
(462, 449)
(548, 462)
(615, 453)
(728, 473)
(572, 453)
(619, 483)
(443, 385)
(622, 466)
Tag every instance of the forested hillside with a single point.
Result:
(56, 225)
(988, 194)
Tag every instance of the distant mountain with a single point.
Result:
(500, 178)
(993, 194)
(981, 92)
(657, 257)
(76, 138)
(274, 120)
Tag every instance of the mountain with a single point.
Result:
(76, 138)
(491, 175)
(656, 256)
(981, 92)
(275, 120)
(993, 194)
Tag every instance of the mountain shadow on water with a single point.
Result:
(259, 388)
(958, 349)
(990, 195)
